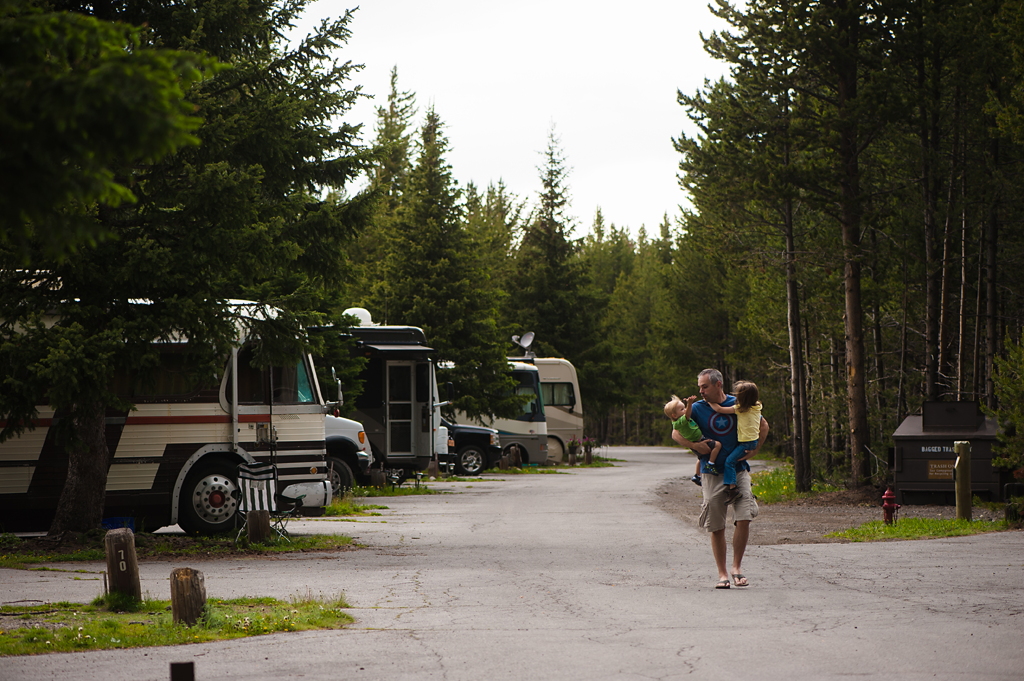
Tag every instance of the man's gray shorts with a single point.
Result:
(712, 512)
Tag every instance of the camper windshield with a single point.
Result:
(527, 384)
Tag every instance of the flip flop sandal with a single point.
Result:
(737, 578)
(722, 584)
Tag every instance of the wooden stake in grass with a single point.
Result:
(257, 526)
(188, 595)
(962, 472)
(122, 562)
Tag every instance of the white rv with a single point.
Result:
(174, 458)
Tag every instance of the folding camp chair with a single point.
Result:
(258, 491)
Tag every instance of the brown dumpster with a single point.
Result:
(923, 454)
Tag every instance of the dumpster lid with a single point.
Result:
(963, 416)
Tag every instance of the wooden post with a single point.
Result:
(122, 562)
(188, 595)
(377, 478)
(962, 472)
(433, 469)
(257, 526)
(503, 462)
(515, 456)
(183, 671)
(572, 455)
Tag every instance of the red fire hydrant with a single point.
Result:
(890, 507)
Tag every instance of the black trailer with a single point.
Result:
(399, 405)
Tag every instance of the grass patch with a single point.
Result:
(779, 484)
(919, 528)
(71, 627)
(347, 506)
(525, 470)
(397, 491)
(18, 554)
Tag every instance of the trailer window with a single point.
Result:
(558, 394)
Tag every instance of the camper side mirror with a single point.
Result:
(335, 407)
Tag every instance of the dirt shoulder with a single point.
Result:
(803, 521)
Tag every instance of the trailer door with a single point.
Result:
(400, 408)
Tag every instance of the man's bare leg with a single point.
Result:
(718, 548)
(740, 535)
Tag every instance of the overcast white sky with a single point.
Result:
(501, 74)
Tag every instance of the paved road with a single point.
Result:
(582, 577)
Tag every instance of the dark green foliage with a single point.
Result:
(243, 215)
(435, 282)
(81, 101)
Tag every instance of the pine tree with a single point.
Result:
(436, 282)
(242, 215)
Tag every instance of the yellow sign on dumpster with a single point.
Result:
(941, 469)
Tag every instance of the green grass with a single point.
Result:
(19, 554)
(407, 489)
(526, 470)
(779, 484)
(919, 528)
(70, 627)
(346, 506)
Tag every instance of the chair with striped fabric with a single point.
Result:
(258, 491)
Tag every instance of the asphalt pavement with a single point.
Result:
(582, 576)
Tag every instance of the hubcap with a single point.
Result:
(214, 499)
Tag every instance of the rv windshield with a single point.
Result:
(528, 384)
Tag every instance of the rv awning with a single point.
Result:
(410, 351)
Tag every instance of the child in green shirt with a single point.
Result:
(679, 411)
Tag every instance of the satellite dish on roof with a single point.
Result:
(362, 314)
(527, 340)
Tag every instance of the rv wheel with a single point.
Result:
(209, 499)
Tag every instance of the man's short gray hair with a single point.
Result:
(714, 375)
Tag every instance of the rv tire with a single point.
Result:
(209, 498)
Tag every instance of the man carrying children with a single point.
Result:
(717, 496)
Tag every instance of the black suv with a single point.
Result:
(471, 448)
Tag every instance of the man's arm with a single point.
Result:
(761, 436)
(698, 447)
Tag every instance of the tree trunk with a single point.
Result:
(991, 322)
(850, 218)
(801, 452)
(81, 503)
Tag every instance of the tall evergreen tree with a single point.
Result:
(239, 216)
(436, 282)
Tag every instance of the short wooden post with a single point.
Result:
(515, 456)
(183, 671)
(188, 595)
(433, 469)
(572, 455)
(122, 562)
(963, 479)
(503, 462)
(257, 526)
(588, 454)
(377, 478)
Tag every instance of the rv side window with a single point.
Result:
(171, 380)
(250, 380)
(292, 384)
(558, 394)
